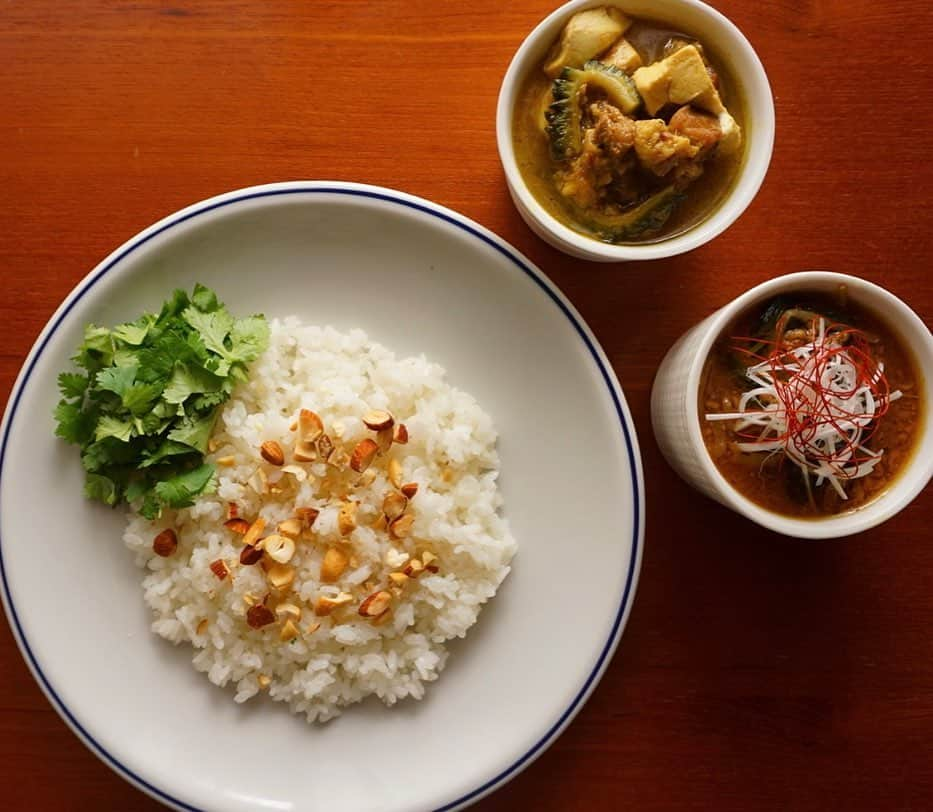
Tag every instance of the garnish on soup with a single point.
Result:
(616, 129)
(810, 407)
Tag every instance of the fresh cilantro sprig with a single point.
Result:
(144, 405)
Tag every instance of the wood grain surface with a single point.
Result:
(756, 672)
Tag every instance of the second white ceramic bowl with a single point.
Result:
(676, 421)
(710, 27)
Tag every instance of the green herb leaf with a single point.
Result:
(72, 384)
(181, 490)
(101, 488)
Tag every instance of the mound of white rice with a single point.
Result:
(450, 455)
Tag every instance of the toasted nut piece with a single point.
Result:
(375, 604)
(293, 426)
(384, 440)
(380, 522)
(259, 482)
(212, 445)
(202, 627)
(325, 447)
(337, 428)
(366, 478)
(339, 459)
(346, 518)
(249, 555)
(409, 489)
(296, 471)
(400, 528)
(289, 631)
(394, 505)
(220, 568)
(227, 460)
(395, 558)
(427, 559)
(264, 681)
(313, 627)
(279, 548)
(285, 611)
(310, 425)
(363, 454)
(280, 576)
(259, 615)
(305, 451)
(394, 469)
(414, 568)
(308, 515)
(237, 525)
(255, 531)
(165, 543)
(378, 419)
(398, 577)
(272, 452)
(290, 528)
(380, 619)
(233, 510)
(249, 599)
(401, 434)
(326, 604)
(334, 563)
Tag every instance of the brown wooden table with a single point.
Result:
(756, 672)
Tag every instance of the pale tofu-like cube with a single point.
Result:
(681, 78)
(731, 133)
(587, 34)
(622, 56)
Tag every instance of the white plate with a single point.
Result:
(420, 279)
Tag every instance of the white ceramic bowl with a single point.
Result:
(418, 278)
(676, 420)
(707, 25)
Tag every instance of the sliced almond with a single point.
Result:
(280, 576)
(376, 604)
(396, 558)
(401, 527)
(165, 543)
(380, 522)
(325, 447)
(233, 510)
(264, 681)
(337, 429)
(289, 631)
(333, 565)
(394, 470)
(383, 618)
(259, 482)
(280, 549)
(259, 615)
(401, 434)
(339, 460)
(409, 489)
(398, 577)
(220, 568)
(366, 478)
(290, 527)
(250, 555)
(384, 440)
(226, 461)
(305, 451)
(255, 531)
(272, 452)
(414, 568)
(310, 425)
(346, 518)
(378, 419)
(307, 515)
(363, 454)
(326, 604)
(296, 471)
(428, 560)
(249, 599)
(394, 505)
(237, 525)
(293, 426)
(286, 611)
(202, 627)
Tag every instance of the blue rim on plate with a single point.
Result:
(451, 218)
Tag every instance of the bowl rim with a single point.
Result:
(449, 218)
(902, 490)
(759, 149)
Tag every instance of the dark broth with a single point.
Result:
(773, 481)
(534, 160)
